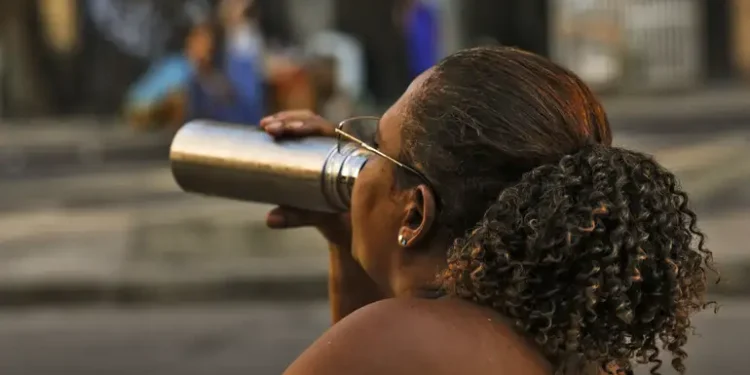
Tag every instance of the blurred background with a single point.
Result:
(107, 268)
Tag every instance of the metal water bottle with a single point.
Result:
(244, 163)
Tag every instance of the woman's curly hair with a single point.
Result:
(592, 250)
(597, 257)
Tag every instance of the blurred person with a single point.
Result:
(254, 29)
(310, 17)
(228, 62)
(290, 80)
(129, 38)
(158, 98)
(338, 66)
(419, 20)
(496, 230)
(218, 74)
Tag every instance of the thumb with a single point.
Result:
(287, 217)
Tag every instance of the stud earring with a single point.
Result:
(402, 240)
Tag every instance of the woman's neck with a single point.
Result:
(417, 277)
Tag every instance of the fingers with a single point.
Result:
(296, 114)
(296, 123)
(336, 228)
(275, 218)
(286, 217)
(290, 128)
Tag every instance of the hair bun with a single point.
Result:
(593, 257)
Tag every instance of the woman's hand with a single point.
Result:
(297, 123)
(349, 286)
(303, 123)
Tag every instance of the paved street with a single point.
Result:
(132, 227)
(252, 338)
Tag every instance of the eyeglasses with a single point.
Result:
(363, 130)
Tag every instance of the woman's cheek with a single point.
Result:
(362, 185)
(371, 186)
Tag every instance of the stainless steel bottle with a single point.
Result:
(244, 163)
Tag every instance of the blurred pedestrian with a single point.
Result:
(339, 63)
(218, 73)
(228, 59)
(159, 97)
(420, 22)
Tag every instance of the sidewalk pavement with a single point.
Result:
(193, 248)
(132, 235)
(89, 210)
(71, 145)
(706, 111)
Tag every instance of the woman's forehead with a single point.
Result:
(415, 85)
(393, 117)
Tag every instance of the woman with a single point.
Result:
(497, 231)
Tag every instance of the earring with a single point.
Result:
(402, 240)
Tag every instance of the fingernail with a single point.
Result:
(295, 124)
(275, 126)
(276, 220)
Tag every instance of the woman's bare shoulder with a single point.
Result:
(408, 336)
(385, 337)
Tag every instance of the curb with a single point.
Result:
(20, 161)
(80, 156)
(735, 283)
(664, 124)
(250, 289)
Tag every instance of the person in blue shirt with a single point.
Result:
(228, 81)
(217, 76)
(421, 30)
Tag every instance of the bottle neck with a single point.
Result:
(340, 173)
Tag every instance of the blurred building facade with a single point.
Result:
(58, 56)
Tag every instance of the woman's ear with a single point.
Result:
(419, 217)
